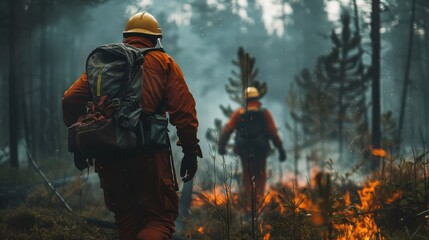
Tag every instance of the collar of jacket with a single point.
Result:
(139, 42)
(253, 104)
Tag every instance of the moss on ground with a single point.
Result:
(48, 223)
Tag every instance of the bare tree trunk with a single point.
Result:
(53, 128)
(341, 107)
(361, 72)
(32, 111)
(43, 79)
(376, 106)
(426, 64)
(295, 151)
(407, 72)
(424, 90)
(26, 81)
(13, 107)
(425, 79)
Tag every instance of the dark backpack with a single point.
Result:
(252, 131)
(115, 121)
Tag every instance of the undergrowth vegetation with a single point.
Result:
(389, 203)
(31, 210)
(47, 223)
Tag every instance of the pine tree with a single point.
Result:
(334, 93)
(314, 109)
(347, 78)
(309, 111)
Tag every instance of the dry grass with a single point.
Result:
(47, 223)
(391, 203)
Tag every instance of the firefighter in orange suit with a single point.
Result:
(253, 152)
(139, 189)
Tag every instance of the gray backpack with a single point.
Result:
(115, 121)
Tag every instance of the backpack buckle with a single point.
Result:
(89, 106)
(116, 102)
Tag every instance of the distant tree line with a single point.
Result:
(35, 43)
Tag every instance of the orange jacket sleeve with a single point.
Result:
(181, 106)
(272, 130)
(163, 79)
(75, 100)
(229, 128)
(232, 123)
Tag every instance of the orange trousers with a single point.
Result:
(254, 172)
(139, 190)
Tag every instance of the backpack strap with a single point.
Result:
(137, 63)
(163, 103)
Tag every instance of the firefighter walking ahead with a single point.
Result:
(254, 127)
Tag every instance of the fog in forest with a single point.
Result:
(47, 43)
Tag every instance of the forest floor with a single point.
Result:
(389, 203)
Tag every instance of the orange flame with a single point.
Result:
(363, 227)
(216, 197)
(267, 236)
(395, 196)
(267, 229)
(378, 152)
(360, 222)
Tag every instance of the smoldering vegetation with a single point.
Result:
(352, 172)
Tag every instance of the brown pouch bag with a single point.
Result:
(95, 135)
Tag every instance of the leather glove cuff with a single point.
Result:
(193, 149)
(187, 136)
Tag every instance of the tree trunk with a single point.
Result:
(361, 73)
(341, 107)
(426, 45)
(376, 108)
(32, 99)
(407, 72)
(53, 128)
(26, 81)
(43, 79)
(296, 153)
(13, 106)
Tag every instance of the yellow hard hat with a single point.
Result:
(251, 92)
(143, 22)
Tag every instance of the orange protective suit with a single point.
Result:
(253, 161)
(139, 188)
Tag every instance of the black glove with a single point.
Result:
(81, 162)
(282, 155)
(189, 165)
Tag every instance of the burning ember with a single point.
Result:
(378, 152)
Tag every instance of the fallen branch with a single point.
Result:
(46, 179)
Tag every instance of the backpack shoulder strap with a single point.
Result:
(145, 51)
(163, 103)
